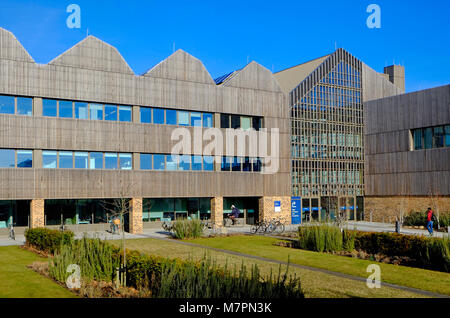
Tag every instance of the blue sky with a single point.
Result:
(225, 34)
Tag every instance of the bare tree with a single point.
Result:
(121, 208)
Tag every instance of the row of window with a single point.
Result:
(237, 121)
(175, 117)
(431, 137)
(86, 160)
(149, 115)
(82, 110)
(12, 158)
(245, 164)
(16, 105)
(176, 162)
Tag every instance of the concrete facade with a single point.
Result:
(399, 178)
(94, 72)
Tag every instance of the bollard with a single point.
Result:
(397, 226)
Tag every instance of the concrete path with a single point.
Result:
(160, 233)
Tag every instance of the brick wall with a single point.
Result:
(37, 218)
(386, 209)
(135, 217)
(267, 208)
(217, 211)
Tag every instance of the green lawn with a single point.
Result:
(434, 281)
(18, 281)
(314, 284)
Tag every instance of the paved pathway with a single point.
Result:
(160, 233)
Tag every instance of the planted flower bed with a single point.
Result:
(152, 276)
(423, 252)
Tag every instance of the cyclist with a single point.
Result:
(234, 214)
(116, 224)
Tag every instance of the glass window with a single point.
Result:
(417, 139)
(438, 137)
(125, 161)
(159, 162)
(197, 163)
(171, 117)
(235, 121)
(207, 120)
(146, 161)
(146, 115)
(96, 111)
(246, 165)
(49, 159)
(81, 160)
(185, 162)
(110, 160)
(236, 166)
(208, 163)
(256, 123)
(7, 158)
(224, 121)
(196, 119)
(183, 118)
(6, 104)
(125, 113)
(256, 164)
(226, 164)
(447, 136)
(65, 109)
(24, 159)
(96, 160)
(428, 138)
(49, 107)
(111, 112)
(171, 162)
(245, 123)
(65, 159)
(81, 110)
(24, 106)
(158, 116)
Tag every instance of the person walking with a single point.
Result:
(430, 221)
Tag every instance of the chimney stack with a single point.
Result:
(396, 75)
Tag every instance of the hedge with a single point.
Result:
(420, 218)
(47, 240)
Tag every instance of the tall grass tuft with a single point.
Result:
(320, 238)
(187, 229)
(207, 280)
(97, 260)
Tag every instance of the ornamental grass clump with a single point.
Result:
(320, 238)
(97, 260)
(207, 280)
(187, 229)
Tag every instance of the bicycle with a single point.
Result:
(167, 226)
(259, 227)
(228, 222)
(340, 220)
(277, 225)
(12, 234)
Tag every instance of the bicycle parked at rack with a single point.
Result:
(277, 225)
(259, 227)
(167, 226)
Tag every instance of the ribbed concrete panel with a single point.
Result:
(254, 76)
(92, 53)
(11, 49)
(183, 67)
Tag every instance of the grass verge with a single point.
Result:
(434, 281)
(314, 284)
(18, 281)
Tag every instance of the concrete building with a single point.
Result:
(84, 129)
(407, 154)
(327, 97)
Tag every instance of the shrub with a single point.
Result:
(420, 218)
(320, 238)
(97, 259)
(431, 253)
(47, 240)
(187, 229)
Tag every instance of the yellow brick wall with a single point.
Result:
(267, 209)
(135, 217)
(37, 218)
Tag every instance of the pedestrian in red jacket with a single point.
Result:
(430, 221)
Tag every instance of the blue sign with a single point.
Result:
(296, 212)
(277, 205)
